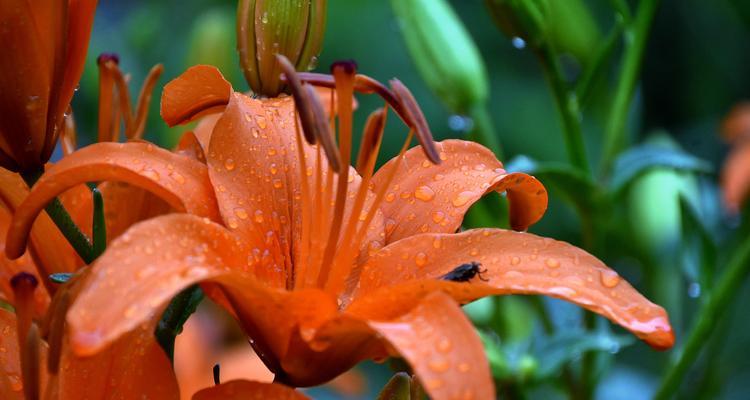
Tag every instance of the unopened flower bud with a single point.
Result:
(525, 19)
(265, 28)
(443, 52)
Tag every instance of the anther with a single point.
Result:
(105, 57)
(322, 129)
(418, 120)
(348, 66)
(217, 374)
(301, 101)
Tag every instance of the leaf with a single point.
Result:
(175, 316)
(555, 351)
(571, 183)
(640, 159)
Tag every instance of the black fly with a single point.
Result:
(465, 272)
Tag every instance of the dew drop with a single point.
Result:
(438, 216)
(390, 197)
(240, 213)
(151, 174)
(420, 259)
(229, 164)
(424, 193)
(609, 278)
(178, 178)
(552, 263)
(261, 121)
(437, 243)
(464, 367)
(277, 183)
(258, 216)
(438, 177)
(444, 345)
(232, 222)
(463, 198)
(439, 365)
(515, 260)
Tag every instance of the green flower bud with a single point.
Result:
(443, 52)
(526, 19)
(292, 28)
(398, 388)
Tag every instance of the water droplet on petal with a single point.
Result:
(390, 197)
(229, 164)
(609, 278)
(232, 222)
(439, 365)
(240, 213)
(420, 259)
(515, 260)
(444, 345)
(552, 263)
(463, 198)
(258, 216)
(424, 193)
(438, 216)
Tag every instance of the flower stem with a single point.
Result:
(568, 108)
(177, 313)
(77, 239)
(725, 289)
(635, 43)
(484, 129)
(99, 227)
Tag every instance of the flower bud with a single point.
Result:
(443, 52)
(38, 75)
(525, 19)
(265, 28)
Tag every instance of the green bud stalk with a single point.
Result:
(265, 28)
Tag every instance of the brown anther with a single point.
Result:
(421, 129)
(371, 138)
(301, 100)
(23, 282)
(347, 66)
(321, 128)
(106, 57)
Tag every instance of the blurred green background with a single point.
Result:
(695, 68)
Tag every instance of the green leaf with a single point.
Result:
(177, 313)
(99, 228)
(573, 184)
(640, 159)
(555, 351)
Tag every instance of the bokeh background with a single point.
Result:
(696, 67)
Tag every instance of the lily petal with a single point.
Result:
(199, 91)
(246, 390)
(424, 197)
(515, 263)
(439, 342)
(179, 181)
(133, 367)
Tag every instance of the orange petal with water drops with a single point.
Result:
(513, 263)
(180, 181)
(199, 91)
(735, 177)
(134, 366)
(439, 342)
(246, 390)
(155, 259)
(424, 197)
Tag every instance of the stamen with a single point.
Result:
(371, 137)
(420, 123)
(322, 129)
(343, 73)
(68, 138)
(23, 285)
(300, 267)
(144, 99)
(343, 261)
(217, 374)
(55, 328)
(106, 95)
(353, 278)
(30, 364)
(301, 101)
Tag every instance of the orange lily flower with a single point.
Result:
(48, 40)
(735, 176)
(322, 264)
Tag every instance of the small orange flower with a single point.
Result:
(48, 41)
(325, 265)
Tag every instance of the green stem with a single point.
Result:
(174, 318)
(724, 291)
(567, 106)
(77, 239)
(99, 227)
(484, 129)
(635, 44)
